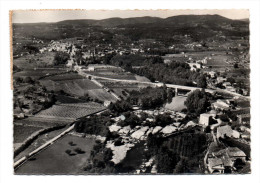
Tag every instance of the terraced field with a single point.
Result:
(70, 111)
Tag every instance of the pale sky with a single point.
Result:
(34, 16)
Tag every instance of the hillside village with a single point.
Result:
(118, 95)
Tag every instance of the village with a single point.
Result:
(187, 104)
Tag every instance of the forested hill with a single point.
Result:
(155, 21)
(197, 26)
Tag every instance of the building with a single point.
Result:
(206, 119)
(93, 67)
(194, 66)
(224, 131)
(221, 79)
(222, 161)
(107, 103)
(220, 105)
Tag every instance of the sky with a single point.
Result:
(34, 16)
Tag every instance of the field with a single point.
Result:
(142, 78)
(31, 61)
(101, 94)
(43, 122)
(39, 72)
(113, 73)
(118, 87)
(67, 99)
(21, 132)
(54, 159)
(40, 140)
(214, 58)
(70, 111)
(77, 87)
(64, 76)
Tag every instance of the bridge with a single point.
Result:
(159, 84)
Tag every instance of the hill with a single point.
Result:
(197, 26)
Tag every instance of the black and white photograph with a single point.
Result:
(131, 92)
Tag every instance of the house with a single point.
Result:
(206, 119)
(190, 123)
(217, 165)
(220, 105)
(244, 118)
(236, 134)
(194, 66)
(223, 160)
(230, 89)
(235, 153)
(107, 103)
(221, 79)
(224, 131)
(226, 84)
(212, 74)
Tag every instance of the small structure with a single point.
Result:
(107, 103)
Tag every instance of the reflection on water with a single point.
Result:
(177, 103)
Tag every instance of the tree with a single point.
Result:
(202, 81)
(236, 65)
(166, 160)
(197, 102)
(61, 58)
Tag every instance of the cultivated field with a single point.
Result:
(70, 111)
(54, 159)
(65, 76)
(101, 94)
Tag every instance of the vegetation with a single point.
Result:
(100, 160)
(95, 125)
(154, 69)
(182, 153)
(197, 102)
(61, 58)
(150, 97)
